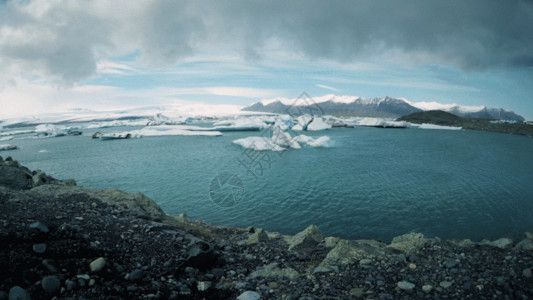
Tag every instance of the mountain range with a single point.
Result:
(386, 107)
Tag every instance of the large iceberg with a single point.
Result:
(318, 123)
(307, 122)
(243, 123)
(281, 139)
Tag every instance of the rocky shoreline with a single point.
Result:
(62, 241)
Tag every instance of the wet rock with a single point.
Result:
(258, 236)
(97, 265)
(18, 293)
(249, 295)
(39, 226)
(306, 241)
(272, 270)
(405, 285)
(14, 177)
(51, 284)
(445, 284)
(407, 243)
(357, 292)
(39, 248)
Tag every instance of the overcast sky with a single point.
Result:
(57, 55)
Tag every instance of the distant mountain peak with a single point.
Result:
(379, 107)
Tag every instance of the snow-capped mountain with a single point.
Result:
(386, 107)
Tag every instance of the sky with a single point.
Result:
(60, 55)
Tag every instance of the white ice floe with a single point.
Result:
(16, 132)
(7, 147)
(318, 123)
(49, 130)
(384, 123)
(161, 130)
(116, 123)
(7, 138)
(441, 127)
(323, 141)
(258, 143)
(243, 123)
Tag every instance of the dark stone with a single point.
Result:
(135, 275)
(201, 256)
(51, 284)
(18, 293)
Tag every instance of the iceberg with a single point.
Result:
(161, 130)
(160, 119)
(440, 127)
(8, 147)
(323, 141)
(318, 123)
(254, 123)
(382, 123)
(302, 122)
(258, 143)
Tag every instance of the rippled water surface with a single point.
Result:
(374, 183)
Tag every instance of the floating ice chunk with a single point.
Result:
(7, 138)
(303, 122)
(323, 141)
(8, 147)
(116, 123)
(161, 130)
(318, 123)
(432, 126)
(258, 143)
(160, 119)
(384, 123)
(242, 123)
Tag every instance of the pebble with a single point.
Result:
(97, 265)
(249, 295)
(357, 292)
(39, 226)
(365, 261)
(426, 288)
(203, 286)
(51, 284)
(50, 265)
(18, 293)
(527, 273)
(39, 248)
(135, 275)
(412, 266)
(445, 284)
(405, 285)
(83, 276)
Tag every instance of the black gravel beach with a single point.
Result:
(62, 241)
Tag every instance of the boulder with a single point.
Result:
(258, 236)
(348, 252)
(407, 244)
(272, 270)
(306, 241)
(503, 243)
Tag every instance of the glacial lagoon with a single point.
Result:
(371, 183)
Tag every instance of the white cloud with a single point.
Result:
(327, 87)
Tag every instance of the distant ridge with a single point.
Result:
(386, 107)
(439, 117)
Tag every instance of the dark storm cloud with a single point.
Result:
(67, 39)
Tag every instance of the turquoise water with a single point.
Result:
(374, 183)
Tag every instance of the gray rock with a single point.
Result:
(331, 241)
(39, 248)
(427, 288)
(525, 244)
(529, 235)
(18, 293)
(39, 226)
(51, 284)
(405, 285)
(200, 255)
(503, 243)
(306, 240)
(14, 177)
(445, 284)
(258, 236)
(97, 265)
(527, 273)
(203, 286)
(272, 270)
(407, 243)
(347, 252)
(321, 269)
(135, 275)
(249, 295)
(365, 261)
